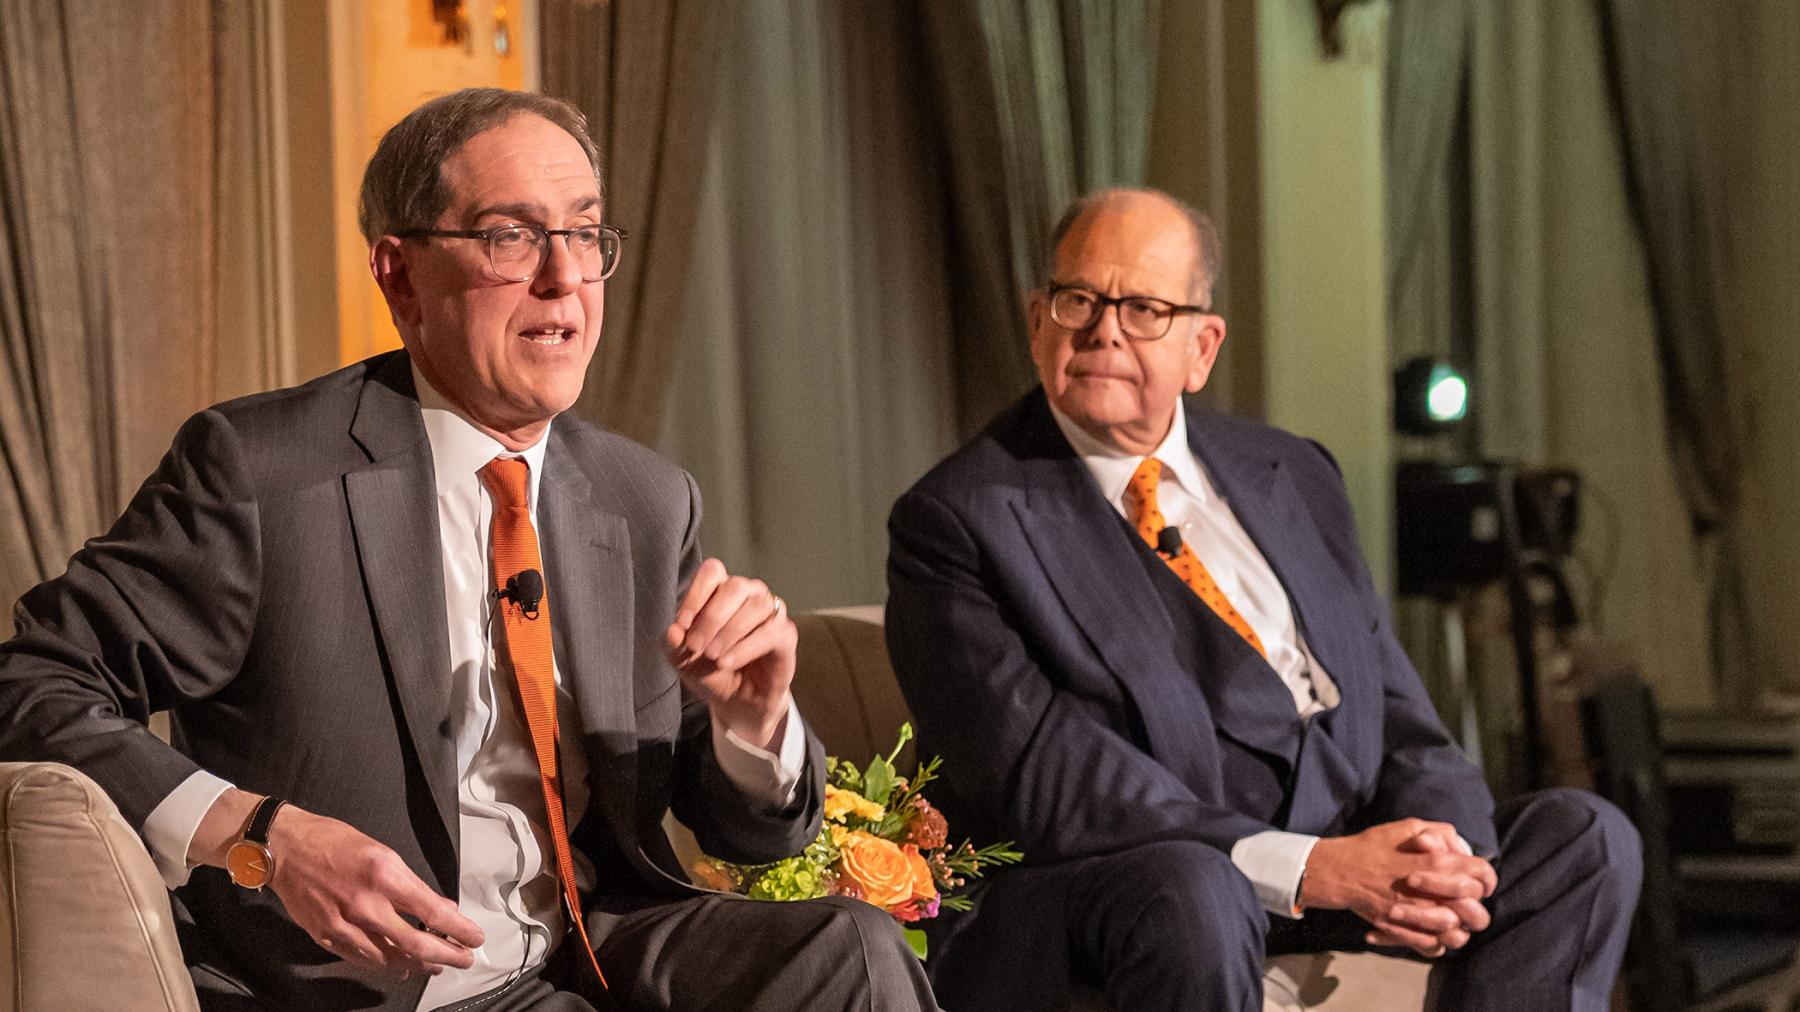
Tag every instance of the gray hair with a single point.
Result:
(1206, 237)
(403, 187)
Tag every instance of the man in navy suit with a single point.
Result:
(1146, 644)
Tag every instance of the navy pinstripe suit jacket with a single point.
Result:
(1082, 709)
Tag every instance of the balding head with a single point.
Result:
(1117, 199)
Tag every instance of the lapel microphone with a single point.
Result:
(525, 588)
(1168, 542)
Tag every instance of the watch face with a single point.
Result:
(249, 864)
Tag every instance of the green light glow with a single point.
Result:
(1448, 398)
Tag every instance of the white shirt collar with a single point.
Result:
(1112, 467)
(459, 450)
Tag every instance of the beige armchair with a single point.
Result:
(84, 917)
(85, 922)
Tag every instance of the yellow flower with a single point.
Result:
(880, 867)
(839, 803)
(837, 833)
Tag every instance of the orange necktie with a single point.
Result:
(515, 548)
(1140, 502)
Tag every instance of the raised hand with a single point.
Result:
(1409, 879)
(733, 644)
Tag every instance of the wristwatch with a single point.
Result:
(248, 860)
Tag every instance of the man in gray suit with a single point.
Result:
(410, 620)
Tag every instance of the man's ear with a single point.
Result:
(1036, 304)
(387, 261)
(1203, 350)
(1037, 317)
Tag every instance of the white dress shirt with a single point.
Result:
(508, 883)
(1272, 860)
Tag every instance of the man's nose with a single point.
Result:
(559, 274)
(1106, 329)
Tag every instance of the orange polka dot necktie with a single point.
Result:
(524, 606)
(1140, 503)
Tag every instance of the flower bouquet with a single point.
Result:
(882, 843)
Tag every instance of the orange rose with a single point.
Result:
(880, 867)
(924, 887)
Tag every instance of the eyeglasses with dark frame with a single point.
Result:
(518, 252)
(1141, 317)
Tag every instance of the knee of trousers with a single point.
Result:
(1192, 895)
(1594, 833)
(858, 930)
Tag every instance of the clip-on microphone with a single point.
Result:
(525, 589)
(1168, 542)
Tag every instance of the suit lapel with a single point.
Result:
(1250, 704)
(1263, 498)
(1085, 553)
(393, 514)
(587, 556)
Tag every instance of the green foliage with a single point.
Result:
(821, 852)
(796, 878)
(878, 781)
(969, 861)
(845, 775)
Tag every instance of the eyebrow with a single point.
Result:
(533, 211)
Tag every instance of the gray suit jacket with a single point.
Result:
(276, 586)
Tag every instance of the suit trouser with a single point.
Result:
(725, 954)
(1174, 926)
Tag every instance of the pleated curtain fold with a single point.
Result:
(646, 74)
(840, 207)
(138, 271)
(1039, 102)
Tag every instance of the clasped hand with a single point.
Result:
(1411, 880)
(733, 644)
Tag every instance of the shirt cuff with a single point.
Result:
(1274, 861)
(763, 775)
(169, 829)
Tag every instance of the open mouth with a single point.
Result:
(548, 335)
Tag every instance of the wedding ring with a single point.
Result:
(780, 607)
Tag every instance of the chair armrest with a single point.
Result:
(84, 916)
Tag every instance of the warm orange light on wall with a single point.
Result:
(399, 56)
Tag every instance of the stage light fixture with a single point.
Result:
(1448, 398)
(1430, 396)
